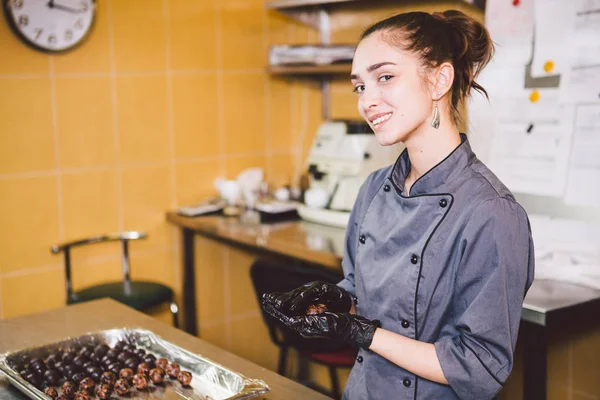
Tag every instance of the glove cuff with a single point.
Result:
(365, 340)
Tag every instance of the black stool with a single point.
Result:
(139, 295)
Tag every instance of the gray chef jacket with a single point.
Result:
(448, 264)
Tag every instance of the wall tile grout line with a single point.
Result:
(89, 261)
(131, 165)
(267, 88)
(113, 81)
(232, 71)
(31, 271)
(227, 294)
(220, 85)
(54, 112)
(171, 130)
(1, 307)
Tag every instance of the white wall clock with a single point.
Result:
(51, 25)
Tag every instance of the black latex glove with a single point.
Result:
(350, 328)
(296, 302)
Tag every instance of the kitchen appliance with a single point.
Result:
(342, 156)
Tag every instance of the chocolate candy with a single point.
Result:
(132, 363)
(101, 350)
(185, 378)
(124, 355)
(126, 374)
(140, 353)
(150, 359)
(82, 395)
(143, 369)
(103, 391)
(162, 363)
(34, 379)
(69, 389)
(95, 373)
(315, 309)
(113, 353)
(119, 345)
(140, 381)
(51, 392)
(51, 377)
(78, 361)
(68, 371)
(157, 375)
(78, 377)
(122, 387)
(173, 370)
(52, 360)
(87, 384)
(108, 360)
(68, 357)
(115, 368)
(63, 397)
(108, 378)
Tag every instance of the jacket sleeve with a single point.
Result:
(496, 268)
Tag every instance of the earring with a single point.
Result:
(435, 122)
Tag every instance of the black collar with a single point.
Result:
(445, 171)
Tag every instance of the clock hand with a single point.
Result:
(61, 7)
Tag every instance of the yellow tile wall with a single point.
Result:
(164, 97)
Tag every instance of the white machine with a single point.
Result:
(342, 156)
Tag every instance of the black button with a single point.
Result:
(386, 188)
(362, 239)
(414, 259)
(405, 324)
(406, 382)
(443, 203)
(359, 359)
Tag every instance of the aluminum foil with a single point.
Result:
(211, 381)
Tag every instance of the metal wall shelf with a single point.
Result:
(334, 70)
(310, 12)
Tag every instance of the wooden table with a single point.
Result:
(104, 314)
(547, 304)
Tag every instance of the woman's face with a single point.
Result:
(393, 97)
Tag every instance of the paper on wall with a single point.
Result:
(511, 27)
(531, 144)
(554, 21)
(567, 250)
(583, 182)
(581, 81)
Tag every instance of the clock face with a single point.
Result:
(51, 25)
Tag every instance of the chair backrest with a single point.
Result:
(275, 276)
(124, 237)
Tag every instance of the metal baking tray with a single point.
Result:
(210, 381)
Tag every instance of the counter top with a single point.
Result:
(309, 242)
(104, 314)
(547, 301)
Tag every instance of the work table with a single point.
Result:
(75, 320)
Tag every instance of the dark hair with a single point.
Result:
(450, 36)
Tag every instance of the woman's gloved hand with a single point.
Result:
(296, 302)
(350, 328)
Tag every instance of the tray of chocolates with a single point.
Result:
(123, 363)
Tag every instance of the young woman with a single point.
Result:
(438, 254)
